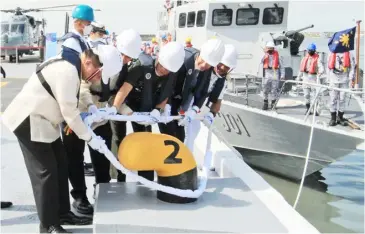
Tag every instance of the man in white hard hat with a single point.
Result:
(147, 88)
(212, 95)
(74, 146)
(198, 66)
(274, 71)
(34, 116)
(96, 95)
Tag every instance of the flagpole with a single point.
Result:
(357, 55)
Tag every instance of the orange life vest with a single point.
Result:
(345, 60)
(275, 62)
(313, 66)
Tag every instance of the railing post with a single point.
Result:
(16, 55)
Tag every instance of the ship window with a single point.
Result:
(222, 17)
(273, 15)
(247, 16)
(200, 19)
(191, 19)
(182, 20)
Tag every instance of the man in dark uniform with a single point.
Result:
(147, 88)
(197, 67)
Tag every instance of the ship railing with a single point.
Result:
(358, 94)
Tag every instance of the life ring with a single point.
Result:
(168, 156)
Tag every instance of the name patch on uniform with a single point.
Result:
(148, 76)
(190, 71)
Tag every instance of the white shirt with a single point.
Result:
(44, 111)
(213, 79)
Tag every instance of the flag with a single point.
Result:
(342, 41)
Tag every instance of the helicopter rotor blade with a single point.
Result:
(43, 8)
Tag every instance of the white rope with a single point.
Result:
(202, 182)
(308, 151)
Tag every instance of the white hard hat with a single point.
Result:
(230, 56)
(212, 52)
(111, 59)
(172, 56)
(97, 25)
(270, 44)
(129, 43)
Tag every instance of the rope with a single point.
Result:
(150, 184)
(308, 149)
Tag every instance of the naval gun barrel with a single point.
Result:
(293, 32)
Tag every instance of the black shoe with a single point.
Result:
(308, 106)
(272, 104)
(266, 105)
(52, 229)
(333, 119)
(5, 204)
(89, 171)
(71, 219)
(88, 165)
(121, 177)
(83, 206)
(341, 120)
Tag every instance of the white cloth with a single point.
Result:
(73, 43)
(45, 112)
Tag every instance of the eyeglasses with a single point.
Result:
(94, 74)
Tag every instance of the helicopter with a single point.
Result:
(22, 30)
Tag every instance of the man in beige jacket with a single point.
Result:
(46, 100)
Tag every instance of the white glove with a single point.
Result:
(189, 116)
(97, 143)
(167, 111)
(95, 112)
(156, 115)
(111, 110)
(208, 119)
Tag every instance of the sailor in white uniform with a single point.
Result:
(310, 70)
(35, 115)
(274, 71)
(341, 72)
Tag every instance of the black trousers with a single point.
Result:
(119, 129)
(100, 163)
(47, 168)
(172, 128)
(74, 148)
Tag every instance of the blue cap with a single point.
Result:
(164, 37)
(312, 46)
(106, 32)
(83, 12)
